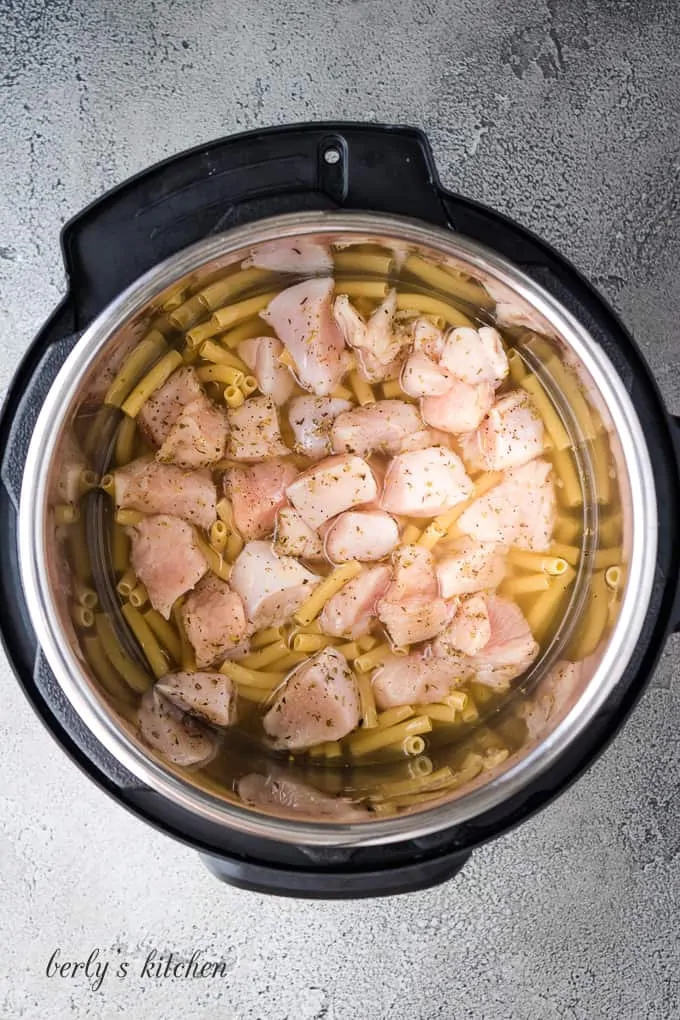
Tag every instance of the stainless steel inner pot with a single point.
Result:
(555, 703)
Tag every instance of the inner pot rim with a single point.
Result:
(92, 710)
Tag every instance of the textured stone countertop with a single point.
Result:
(566, 116)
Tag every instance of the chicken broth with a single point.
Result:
(347, 505)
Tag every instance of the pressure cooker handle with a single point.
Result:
(675, 429)
(335, 884)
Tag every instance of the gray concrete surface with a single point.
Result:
(565, 116)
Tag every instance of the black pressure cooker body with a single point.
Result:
(206, 191)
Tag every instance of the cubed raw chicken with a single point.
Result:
(350, 612)
(470, 567)
(424, 483)
(470, 629)
(475, 356)
(160, 412)
(261, 355)
(520, 510)
(427, 339)
(295, 538)
(311, 419)
(412, 680)
(378, 342)
(460, 409)
(555, 694)
(198, 436)
(302, 319)
(423, 377)
(254, 431)
(511, 647)
(382, 427)
(214, 620)
(291, 255)
(154, 488)
(288, 796)
(423, 438)
(181, 739)
(411, 609)
(257, 493)
(272, 587)
(364, 535)
(512, 434)
(166, 559)
(331, 486)
(414, 573)
(211, 696)
(512, 311)
(319, 701)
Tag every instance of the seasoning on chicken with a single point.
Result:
(470, 629)
(520, 510)
(277, 790)
(302, 319)
(511, 647)
(423, 377)
(272, 587)
(291, 255)
(378, 342)
(162, 409)
(363, 535)
(198, 437)
(424, 483)
(295, 538)
(475, 356)
(331, 486)
(182, 740)
(318, 701)
(382, 426)
(412, 680)
(470, 567)
(423, 438)
(261, 355)
(311, 419)
(427, 338)
(211, 696)
(411, 609)
(351, 611)
(166, 559)
(254, 432)
(154, 488)
(460, 409)
(257, 492)
(512, 434)
(214, 620)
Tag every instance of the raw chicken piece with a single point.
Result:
(292, 255)
(254, 432)
(256, 494)
(460, 409)
(178, 737)
(350, 612)
(471, 567)
(209, 695)
(302, 319)
(511, 647)
(556, 694)
(311, 419)
(70, 464)
(319, 701)
(272, 587)
(214, 619)
(261, 355)
(411, 609)
(423, 438)
(198, 437)
(427, 339)
(276, 790)
(412, 680)
(470, 628)
(382, 426)
(331, 486)
(475, 356)
(378, 342)
(424, 483)
(512, 311)
(520, 510)
(423, 377)
(166, 559)
(361, 535)
(160, 412)
(512, 434)
(295, 538)
(154, 488)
